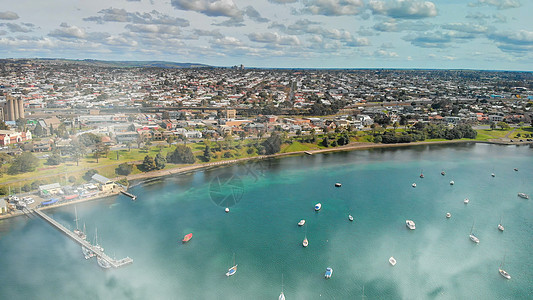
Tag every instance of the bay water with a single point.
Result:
(266, 200)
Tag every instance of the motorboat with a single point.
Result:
(226, 209)
(281, 296)
(500, 227)
(466, 201)
(413, 185)
(502, 271)
(442, 173)
(515, 169)
(338, 184)
(410, 224)
(392, 261)
(86, 252)
(448, 215)
(318, 206)
(301, 223)
(493, 175)
(350, 217)
(187, 238)
(305, 243)
(452, 182)
(329, 272)
(523, 195)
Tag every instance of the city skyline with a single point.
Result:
(438, 34)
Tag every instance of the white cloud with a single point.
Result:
(404, 9)
(212, 8)
(121, 15)
(516, 41)
(392, 25)
(500, 4)
(466, 27)
(274, 38)
(153, 28)
(8, 15)
(384, 53)
(333, 7)
(66, 31)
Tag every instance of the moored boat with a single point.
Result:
(187, 238)
(392, 261)
(448, 215)
(502, 271)
(318, 206)
(410, 224)
(226, 209)
(413, 185)
(442, 173)
(500, 226)
(473, 238)
(452, 182)
(350, 217)
(301, 223)
(305, 243)
(329, 272)
(338, 184)
(233, 269)
(523, 195)
(103, 263)
(466, 201)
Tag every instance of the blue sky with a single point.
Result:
(464, 34)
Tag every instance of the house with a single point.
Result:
(106, 184)
(50, 189)
(8, 137)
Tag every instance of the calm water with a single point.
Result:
(267, 199)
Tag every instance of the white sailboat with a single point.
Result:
(96, 245)
(502, 271)
(473, 238)
(77, 231)
(233, 269)
(500, 226)
(281, 296)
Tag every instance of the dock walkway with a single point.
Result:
(114, 263)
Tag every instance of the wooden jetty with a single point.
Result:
(132, 196)
(113, 262)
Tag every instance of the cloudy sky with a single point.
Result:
(466, 34)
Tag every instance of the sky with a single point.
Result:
(437, 34)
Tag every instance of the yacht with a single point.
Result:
(86, 252)
(103, 263)
(448, 215)
(338, 184)
(515, 169)
(301, 223)
(305, 243)
(466, 201)
(502, 271)
(421, 174)
(523, 195)
(452, 182)
(233, 269)
(329, 271)
(410, 224)
(442, 173)
(350, 217)
(493, 175)
(392, 261)
(187, 238)
(318, 206)
(500, 226)
(226, 209)
(413, 185)
(473, 238)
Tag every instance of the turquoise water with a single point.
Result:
(267, 199)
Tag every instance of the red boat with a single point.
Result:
(187, 238)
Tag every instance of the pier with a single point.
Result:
(132, 196)
(113, 262)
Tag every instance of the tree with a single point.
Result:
(124, 169)
(181, 155)
(207, 153)
(272, 144)
(39, 130)
(325, 142)
(503, 125)
(3, 125)
(148, 164)
(160, 161)
(26, 162)
(54, 159)
(89, 174)
(492, 126)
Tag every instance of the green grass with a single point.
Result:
(297, 146)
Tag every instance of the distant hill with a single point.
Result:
(125, 64)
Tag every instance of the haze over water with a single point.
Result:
(435, 261)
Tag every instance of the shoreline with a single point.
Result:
(143, 177)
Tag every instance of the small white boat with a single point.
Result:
(523, 195)
(452, 182)
(413, 185)
(318, 206)
(301, 223)
(329, 272)
(392, 261)
(281, 296)
(502, 271)
(103, 263)
(493, 175)
(473, 238)
(448, 215)
(500, 226)
(338, 184)
(350, 217)
(410, 224)
(305, 243)
(466, 201)
(227, 209)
